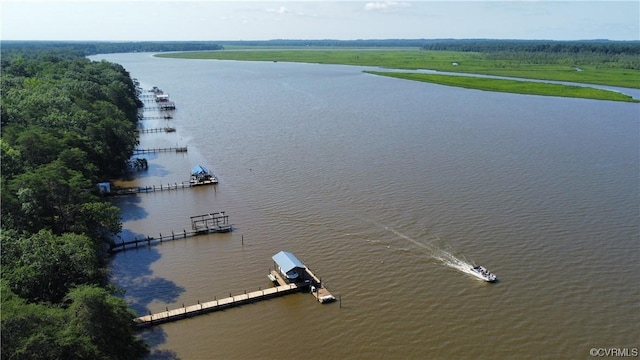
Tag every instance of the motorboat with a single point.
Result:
(483, 274)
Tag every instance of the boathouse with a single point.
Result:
(200, 173)
(289, 266)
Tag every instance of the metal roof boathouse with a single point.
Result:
(290, 270)
(289, 266)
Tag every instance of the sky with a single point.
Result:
(174, 20)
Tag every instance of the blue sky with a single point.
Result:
(263, 20)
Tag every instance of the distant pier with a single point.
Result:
(132, 190)
(218, 223)
(160, 150)
(169, 105)
(165, 117)
(156, 130)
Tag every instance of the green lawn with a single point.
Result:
(460, 62)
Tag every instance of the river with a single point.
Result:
(384, 188)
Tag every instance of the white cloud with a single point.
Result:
(280, 10)
(385, 5)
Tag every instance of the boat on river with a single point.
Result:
(483, 273)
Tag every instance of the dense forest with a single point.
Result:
(67, 123)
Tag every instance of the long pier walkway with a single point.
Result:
(162, 106)
(210, 306)
(115, 191)
(165, 117)
(159, 150)
(218, 223)
(156, 130)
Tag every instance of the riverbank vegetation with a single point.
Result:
(512, 86)
(108, 47)
(67, 123)
(596, 62)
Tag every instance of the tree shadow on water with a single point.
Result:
(131, 271)
(154, 337)
(130, 208)
(155, 170)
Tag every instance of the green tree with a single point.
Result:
(100, 219)
(11, 160)
(105, 321)
(44, 267)
(51, 196)
(29, 331)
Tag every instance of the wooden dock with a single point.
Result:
(162, 106)
(132, 190)
(281, 287)
(165, 117)
(310, 282)
(160, 150)
(151, 240)
(200, 224)
(216, 221)
(215, 305)
(157, 130)
(318, 290)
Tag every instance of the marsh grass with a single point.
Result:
(512, 86)
(449, 61)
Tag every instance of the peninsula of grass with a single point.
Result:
(512, 86)
(450, 61)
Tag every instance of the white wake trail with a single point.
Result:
(436, 252)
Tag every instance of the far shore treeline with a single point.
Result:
(605, 47)
(68, 123)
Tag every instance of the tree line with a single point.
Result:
(545, 46)
(602, 53)
(67, 123)
(109, 47)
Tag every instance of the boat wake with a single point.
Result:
(454, 262)
(437, 252)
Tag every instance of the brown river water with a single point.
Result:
(388, 190)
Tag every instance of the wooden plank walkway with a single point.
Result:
(161, 107)
(160, 150)
(215, 305)
(151, 240)
(321, 293)
(157, 130)
(117, 191)
(165, 117)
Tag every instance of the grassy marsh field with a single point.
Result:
(452, 61)
(512, 86)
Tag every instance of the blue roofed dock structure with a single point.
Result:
(200, 175)
(290, 270)
(289, 266)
